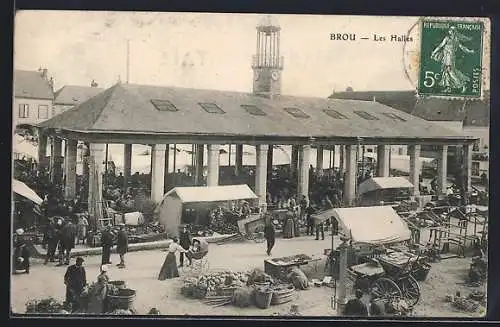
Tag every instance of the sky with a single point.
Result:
(77, 47)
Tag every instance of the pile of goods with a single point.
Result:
(478, 271)
(200, 230)
(469, 304)
(239, 289)
(223, 224)
(49, 306)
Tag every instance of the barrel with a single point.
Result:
(263, 298)
(123, 300)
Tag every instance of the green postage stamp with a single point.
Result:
(450, 58)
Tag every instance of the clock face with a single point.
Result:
(275, 75)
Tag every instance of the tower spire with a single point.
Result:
(267, 63)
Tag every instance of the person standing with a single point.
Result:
(82, 227)
(67, 243)
(303, 206)
(320, 230)
(169, 268)
(310, 220)
(21, 254)
(185, 242)
(122, 245)
(107, 244)
(51, 239)
(75, 280)
(270, 235)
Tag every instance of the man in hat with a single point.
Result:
(270, 235)
(122, 245)
(107, 244)
(75, 280)
(21, 253)
(67, 242)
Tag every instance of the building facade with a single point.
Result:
(33, 97)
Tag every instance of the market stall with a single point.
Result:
(192, 205)
(387, 190)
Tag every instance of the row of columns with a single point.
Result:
(300, 160)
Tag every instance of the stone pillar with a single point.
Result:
(55, 161)
(70, 167)
(303, 174)
(467, 160)
(239, 159)
(261, 173)
(213, 165)
(294, 160)
(96, 170)
(270, 160)
(333, 156)
(342, 159)
(166, 167)
(343, 278)
(42, 151)
(127, 164)
(198, 171)
(383, 160)
(86, 155)
(414, 152)
(157, 172)
(350, 175)
(442, 170)
(319, 158)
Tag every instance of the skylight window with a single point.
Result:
(334, 114)
(163, 105)
(253, 110)
(393, 116)
(365, 115)
(297, 113)
(211, 108)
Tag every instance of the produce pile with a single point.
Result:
(49, 305)
(237, 288)
(223, 224)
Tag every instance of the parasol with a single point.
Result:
(23, 190)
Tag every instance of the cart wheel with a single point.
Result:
(411, 290)
(385, 288)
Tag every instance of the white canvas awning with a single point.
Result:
(380, 183)
(373, 225)
(212, 193)
(22, 189)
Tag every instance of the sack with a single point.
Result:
(298, 279)
(242, 297)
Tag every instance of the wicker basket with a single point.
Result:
(123, 300)
(263, 298)
(283, 294)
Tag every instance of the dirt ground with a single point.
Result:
(143, 267)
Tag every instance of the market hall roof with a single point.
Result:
(129, 109)
(75, 94)
(32, 85)
(471, 112)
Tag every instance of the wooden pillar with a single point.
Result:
(239, 159)
(213, 165)
(261, 173)
(383, 160)
(157, 172)
(303, 174)
(350, 182)
(414, 151)
(127, 164)
(70, 169)
(442, 170)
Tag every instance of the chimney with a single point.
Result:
(94, 84)
(44, 72)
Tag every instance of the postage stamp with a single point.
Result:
(450, 58)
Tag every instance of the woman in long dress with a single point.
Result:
(169, 268)
(446, 53)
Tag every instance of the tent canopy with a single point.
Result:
(373, 225)
(212, 193)
(380, 183)
(25, 191)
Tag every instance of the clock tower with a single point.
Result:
(267, 64)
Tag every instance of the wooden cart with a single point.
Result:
(389, 276)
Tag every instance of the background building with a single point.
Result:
(470, 117)
(33, 97)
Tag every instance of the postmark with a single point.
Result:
(450, 58)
